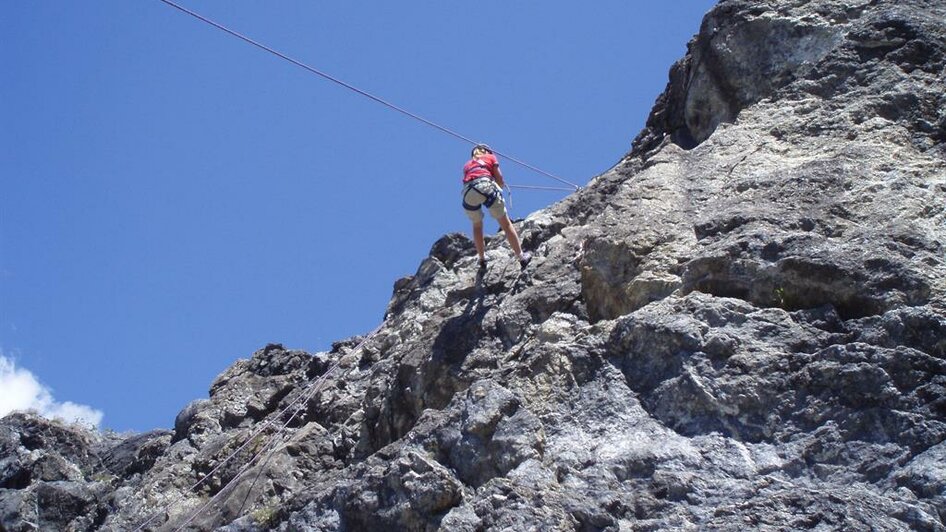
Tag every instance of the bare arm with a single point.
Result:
(498, 177)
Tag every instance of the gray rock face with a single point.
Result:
(741, 325)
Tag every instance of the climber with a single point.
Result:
(482, 186)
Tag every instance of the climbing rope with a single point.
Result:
(268, 448)
(360, 91)
(302, 399)
(533, 187)
(262, 428)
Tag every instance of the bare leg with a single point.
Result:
(511, 235)
(478, 239)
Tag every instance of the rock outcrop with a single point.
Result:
(740, 325)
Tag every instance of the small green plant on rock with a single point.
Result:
(265, 517)
(781, 297)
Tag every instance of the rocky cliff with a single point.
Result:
(741, 325)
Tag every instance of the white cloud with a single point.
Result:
(21, 390)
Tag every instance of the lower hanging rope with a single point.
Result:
(360, 91)
(532, 187)
(301, 399)
(268, 448)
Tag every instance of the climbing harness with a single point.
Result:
(309, 392)
(364, 93)
(484, 187)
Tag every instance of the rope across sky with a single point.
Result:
(361, 92)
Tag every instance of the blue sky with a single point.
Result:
(173, 199)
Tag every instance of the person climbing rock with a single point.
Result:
(482, 187)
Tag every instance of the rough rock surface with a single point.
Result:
(741, 325)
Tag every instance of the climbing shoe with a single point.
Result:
(524, 259)
(482, 266)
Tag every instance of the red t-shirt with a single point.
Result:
(481, 166)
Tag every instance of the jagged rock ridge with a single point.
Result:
(740, 325)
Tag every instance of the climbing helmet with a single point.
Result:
(481, 146)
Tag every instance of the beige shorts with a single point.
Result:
(476, 193)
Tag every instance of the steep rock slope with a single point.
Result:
(742, 324)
